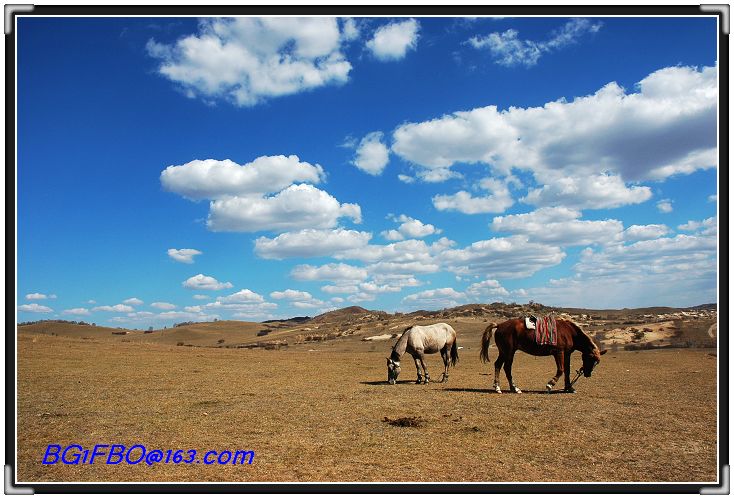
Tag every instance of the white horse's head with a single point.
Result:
(393, 371)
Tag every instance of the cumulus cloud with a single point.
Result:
(242, 296)
(645, 232)
(247, 60)
(410, 228)
(706, 227)
(665, 206)
(372, 155)
(407, 179)
(291, 295)
(392, 41)
(647, 273)
(512, 257)
(596, 191)
(36, 308)
(133, 301)
(201, 297)
(586, 153)
(309, 243)
(559, 226)
(114, 308)
(336, 272)
(215, 179)
(39, 296)
(487, 290)
(261, 195)
(163, 305)
(508, 49)
(201, 281)
(435, 298)
(185, 255)
(76, 311)
(296, 207)
(497, 201)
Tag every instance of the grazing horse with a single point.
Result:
(420, 340)
(512, 335)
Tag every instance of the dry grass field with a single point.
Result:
(320, 411)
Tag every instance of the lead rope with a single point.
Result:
(578, 375)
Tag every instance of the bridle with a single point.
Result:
(581, 371)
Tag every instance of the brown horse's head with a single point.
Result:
(591, 359)
(393, 371)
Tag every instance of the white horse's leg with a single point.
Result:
(418, 370)
(446, 359)
(426, 377)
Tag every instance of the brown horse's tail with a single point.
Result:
(486, 338)
(454, 354)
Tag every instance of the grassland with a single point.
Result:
(315, 410)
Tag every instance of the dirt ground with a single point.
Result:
(317, 413)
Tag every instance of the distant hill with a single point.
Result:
(350, 314)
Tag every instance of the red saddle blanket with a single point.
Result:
(545, 330)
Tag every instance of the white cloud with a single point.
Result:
(665, 206)
(296, 207)
(76, 311)
(35, 296)
(36, 308)
(488, 289)
(706, 227)
(114, 308)
(512, 257)
(435, 298)
(372, 154)
(596, 191)
(291, 295)
(675, 271)
(163, 305)
(582, 153)
(510, 50)
(201, 297)
(133, 301)
(310, 243)
(392, 41)
(336, 272)
(201, 281)
(216, 179)
(242, 296)
(339, 289)
(411, 228)
(497, 201)
(246, 60)
(91, 302)
(407, 179)
(185, 255)
(645, 232)
(559, 226)
(194, 309)
(712, 198)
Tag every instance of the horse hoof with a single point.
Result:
(548, 388)
(418, 382)
(516, 390)
(569, 390)
(497, 390)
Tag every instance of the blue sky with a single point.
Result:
(175, 169)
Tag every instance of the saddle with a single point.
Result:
(545, 329)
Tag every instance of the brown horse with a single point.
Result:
(512, 335)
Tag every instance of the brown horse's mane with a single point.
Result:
(583, 336)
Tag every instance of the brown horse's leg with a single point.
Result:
(567, 373)
(497, 366)
(559, 370)
(418, 369)
(508, 372)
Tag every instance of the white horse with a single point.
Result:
(420, 340)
